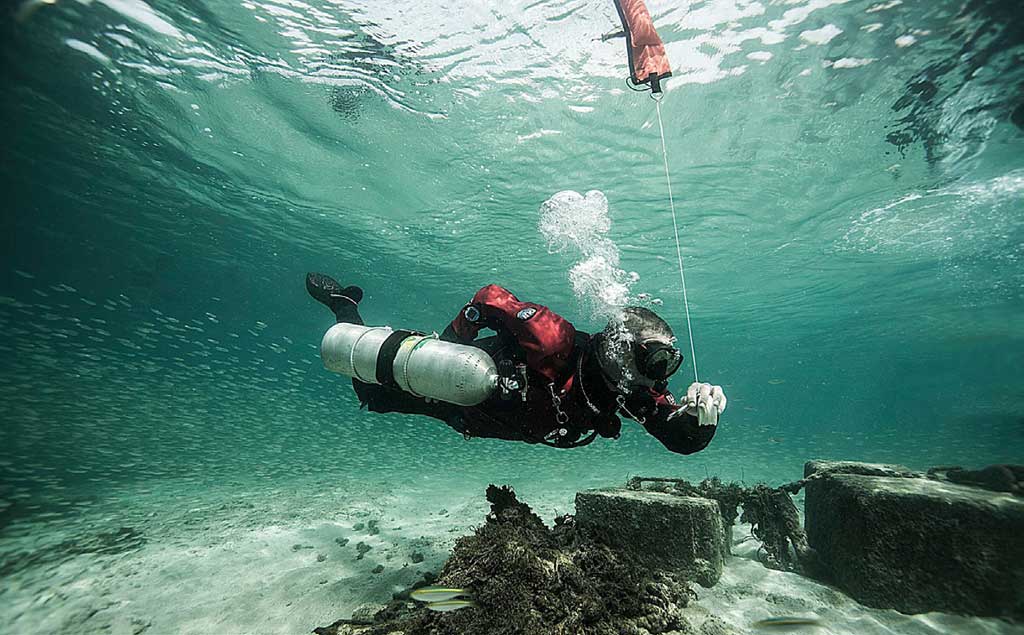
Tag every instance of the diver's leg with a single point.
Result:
(377, 398)
(343, 302)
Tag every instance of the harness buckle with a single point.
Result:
(621, 401)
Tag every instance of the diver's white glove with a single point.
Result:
(705, 402)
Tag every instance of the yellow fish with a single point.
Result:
(437, 594)
(450, 605)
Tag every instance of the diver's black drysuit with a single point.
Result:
(568, 401)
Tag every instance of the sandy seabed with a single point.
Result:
(285, 559)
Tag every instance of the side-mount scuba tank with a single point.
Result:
(416, 363)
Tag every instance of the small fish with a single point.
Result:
(787, 622)
(450, 605)
(437, 594)
(776, 382)
(612, 35)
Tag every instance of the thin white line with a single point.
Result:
(679, 251)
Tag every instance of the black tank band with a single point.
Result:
(386, 357)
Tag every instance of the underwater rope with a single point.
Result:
(675, 229)
(649, 65)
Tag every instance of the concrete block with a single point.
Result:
(919, 545)
(675, 533)
(822, 468)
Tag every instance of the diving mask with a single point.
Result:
(657, 360)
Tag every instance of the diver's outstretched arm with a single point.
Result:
(681, 434)
(677, 426)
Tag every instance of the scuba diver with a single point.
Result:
(553, 385)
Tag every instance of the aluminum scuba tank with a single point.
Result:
(418, 364)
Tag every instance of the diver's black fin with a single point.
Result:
(328, 292)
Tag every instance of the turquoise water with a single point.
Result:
(848, 177)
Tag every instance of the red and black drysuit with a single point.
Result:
(563, 376)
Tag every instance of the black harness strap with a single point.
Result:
(572, 444)
(386, 358)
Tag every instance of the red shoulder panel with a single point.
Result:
(546, 337)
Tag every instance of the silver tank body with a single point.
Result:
(424, 366)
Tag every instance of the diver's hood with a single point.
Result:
(636, 350)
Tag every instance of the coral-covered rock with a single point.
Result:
(524, 577)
